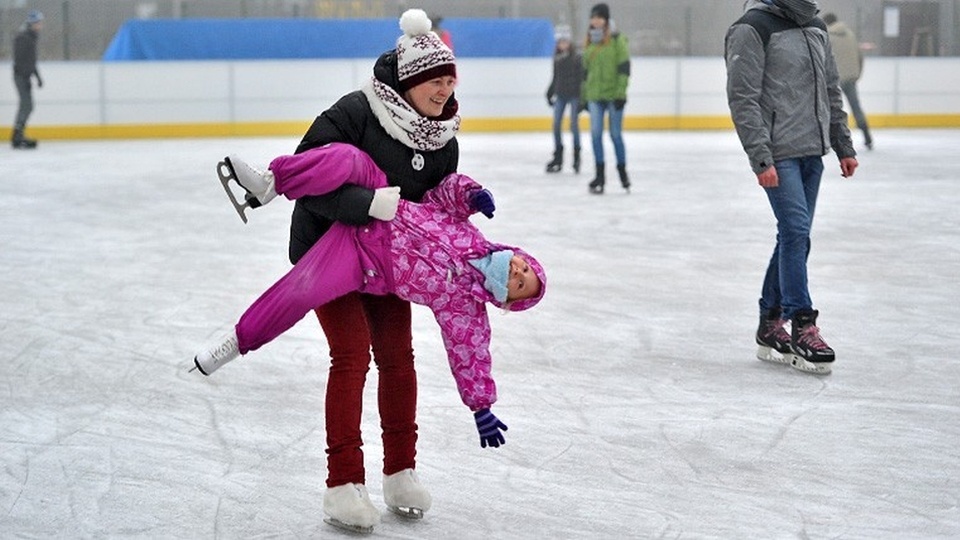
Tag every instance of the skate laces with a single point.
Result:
(810, 335)
(775, 330)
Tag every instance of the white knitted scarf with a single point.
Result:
(405, 124)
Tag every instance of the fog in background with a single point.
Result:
(81, 30)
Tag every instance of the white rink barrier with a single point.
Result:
(223, 98)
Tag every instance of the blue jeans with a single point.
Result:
(597, 110)
(793, 203)
(558, 106)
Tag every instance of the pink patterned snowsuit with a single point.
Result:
(421, 256)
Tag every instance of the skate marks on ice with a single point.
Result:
(635, 407)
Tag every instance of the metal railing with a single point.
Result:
(82, 29)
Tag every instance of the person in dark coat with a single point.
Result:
(563, 92)
(406, 119)
(24, 69)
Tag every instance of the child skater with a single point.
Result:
(427, 253)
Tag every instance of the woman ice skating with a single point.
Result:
(406, 119)
(564, 93)
(606, 59)
(427, 253)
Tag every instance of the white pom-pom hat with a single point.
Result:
(421, 55)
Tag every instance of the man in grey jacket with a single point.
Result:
(785, 101)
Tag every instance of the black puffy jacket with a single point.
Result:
(350, 120)
(25, 52)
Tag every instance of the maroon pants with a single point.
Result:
(354, 324)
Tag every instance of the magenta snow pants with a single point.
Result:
(333, 267)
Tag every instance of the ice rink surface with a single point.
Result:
(635, 403)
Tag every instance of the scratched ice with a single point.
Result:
(635, 404)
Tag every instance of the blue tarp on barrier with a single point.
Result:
(236, 39)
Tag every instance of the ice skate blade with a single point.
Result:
(767, 354)
(406, 512)
(817, 368)
(798, 363)
(226, 174)
(358, 529)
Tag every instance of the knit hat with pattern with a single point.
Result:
(421, 55)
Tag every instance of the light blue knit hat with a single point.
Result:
(495, 268)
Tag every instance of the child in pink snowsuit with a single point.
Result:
(429, 254)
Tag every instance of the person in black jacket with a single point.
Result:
(406, 118)
(564, 91)
(24, 68)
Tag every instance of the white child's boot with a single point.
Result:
(258, 184)
(214, 357)
(349, 507)
(405, 495)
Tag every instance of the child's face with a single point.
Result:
(523, 282)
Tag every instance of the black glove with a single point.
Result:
(39, 80)
(551, 99)
(619, 103)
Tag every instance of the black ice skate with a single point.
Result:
(19, 142)
(809, 352)
(596, 185)
(773, 340)
(624, 179)
(557, 162)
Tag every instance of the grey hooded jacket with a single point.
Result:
(782, 85)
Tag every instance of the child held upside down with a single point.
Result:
(427, 253)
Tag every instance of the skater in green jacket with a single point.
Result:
(606, 61)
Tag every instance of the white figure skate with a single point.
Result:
(405, 495)
(348, 507)
(258, 186)
(214, 357)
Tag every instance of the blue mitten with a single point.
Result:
(482, 201)
(489, 427)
